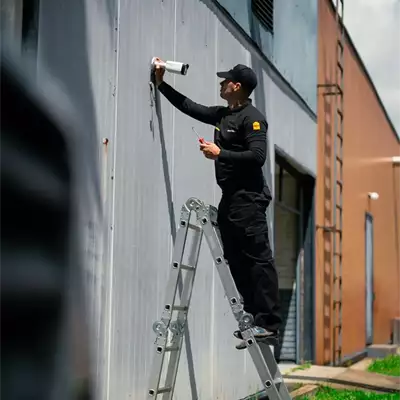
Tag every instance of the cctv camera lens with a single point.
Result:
(184, 69)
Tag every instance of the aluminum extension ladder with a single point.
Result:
(263, 358)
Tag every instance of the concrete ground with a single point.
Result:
(351, 378)
(286, 367)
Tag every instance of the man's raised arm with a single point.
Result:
(208, 115)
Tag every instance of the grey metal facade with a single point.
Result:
(148, 165)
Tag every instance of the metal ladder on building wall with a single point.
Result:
(336, 89)
(170, 332)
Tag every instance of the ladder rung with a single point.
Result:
(339, 159)
(326, 85)
(339, 206)
(339, 111)
(336, 253)
(338, 278)
(339, 91)
(340, 66)
(172, 348)
(180, 308)
(340, 44)
(187, 267)
(164, 390)
(340, 136)
(329, 228)
(339, 182)
(194, 227)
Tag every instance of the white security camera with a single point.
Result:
(174, 67)
(373, 195)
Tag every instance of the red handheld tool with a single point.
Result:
(201, 140)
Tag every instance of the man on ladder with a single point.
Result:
(239, 151)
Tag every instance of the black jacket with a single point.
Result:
(240, 133)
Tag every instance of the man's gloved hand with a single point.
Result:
(159, 72)
(210, 150)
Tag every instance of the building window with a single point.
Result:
(288, 242)
(264, 11)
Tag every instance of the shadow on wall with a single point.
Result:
(156, 103)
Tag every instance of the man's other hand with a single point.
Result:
(210, 150)
(159, 73)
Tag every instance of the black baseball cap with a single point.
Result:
(242, 74)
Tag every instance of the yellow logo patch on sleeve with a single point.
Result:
(256, 126)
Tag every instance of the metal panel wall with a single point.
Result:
(149, 165)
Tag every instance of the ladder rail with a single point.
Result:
(263, 359)
(182, 317)
(161, 327)
(338, 189)
(342, 40)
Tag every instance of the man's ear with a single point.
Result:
(238, 86)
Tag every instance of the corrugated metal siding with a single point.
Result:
(100, 51)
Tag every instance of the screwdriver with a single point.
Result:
(201, 140)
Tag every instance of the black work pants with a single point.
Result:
(244, 234)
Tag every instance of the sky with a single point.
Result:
(374, 26)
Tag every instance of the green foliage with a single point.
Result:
(301, 367)
(390, 365)
(326, 393)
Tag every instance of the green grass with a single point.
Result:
(302, 367)
(296, 386)
(390, 365)
(326, 393)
